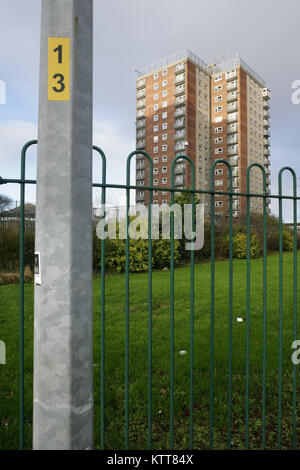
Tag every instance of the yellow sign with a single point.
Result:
(59, 69)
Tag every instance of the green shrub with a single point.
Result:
(239, 243)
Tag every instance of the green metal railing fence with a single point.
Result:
(193, 191)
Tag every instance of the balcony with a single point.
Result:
(233, 151)
(235, 182)
(267, 151)
(179, 90)
(267, 161)
(235, 204)
(141, 103)
(179, 134)
(141, 93)
(140, 165)
(232, 107)
(141, 144)
(266, 132)
(180, 100)
(139, 197)
(232, 128)
(233, 117)
(266, 93)
(266, 114)
(232, 75)
(141, 83)
(179, 123)
(179, 169)
(179, 146)
(141, 133)
(234, 161)
(141, 123)
(266, 104)
(266, 142)
(233, 139)
(141, 113)
(232, 96)
(266, 123)
(140, 176)
(235, 171)
(180, 79)
(179, 68)
(180, 112)
(232, 86)
(178, 180)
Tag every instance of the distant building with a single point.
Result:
(185, 106)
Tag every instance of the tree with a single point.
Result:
(5, 202)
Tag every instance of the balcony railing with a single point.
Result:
(233, 117)
(140, 177)
(178, 180)
(179, 90)
(235, 171)
(179, 169)
(266, 123)
(141, 83)
(266, 142)
(141, 103)
(180, 100)
(232, 85)
(234, 161)
(179, 146)
(180, 112)
(141, 113)
(232, 129)
(141, 133)
(139, 197)
(231, 75)
(179, 67)
(141, 123)
(266, 132)
(232, 107)
(180, 78)
(141, 93)
(266, 93)
(179, 135)
(233, 96)
(233, 151)
(266, 104)
(141, 145)
(235, 182)
(233, 139)
(179, 123)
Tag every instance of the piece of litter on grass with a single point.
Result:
(182, 353)
(239, 319)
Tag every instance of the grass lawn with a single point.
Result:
(115, 358)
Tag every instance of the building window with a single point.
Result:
(155, 107)
(164, 72)
(218, 109)
(217, 78)
(164, 136)
(219, 171)
(164, 93)
(155, 86)
(164, 201)
(164, 147)
(155, 171)
(164, 169)
(164, 104)
(155, 128)
(155, 192)
(155, 201)
(219, 203)
(164, 158)
(218, 88)
(155, 149)
(218, 140)
(218, 98)
(155, 160)
(164, 193)
(155, 117)
(218, 130)
(218, 119)
(155, 138)
(164, 82)
(164, 115)
(155, 76)
(218, 150)
(155, 181)
(218, 182)
(165, 126)
(164, 180)
(155, 97)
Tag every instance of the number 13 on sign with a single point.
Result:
(59, 69)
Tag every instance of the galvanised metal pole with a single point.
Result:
(63, 385)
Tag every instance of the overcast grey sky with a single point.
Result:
(130, 33)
